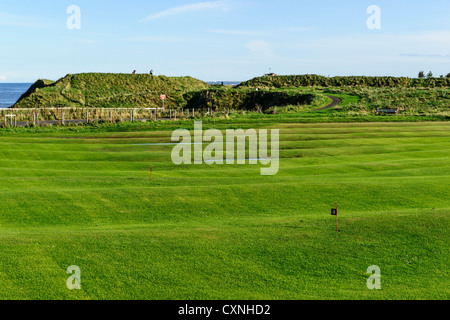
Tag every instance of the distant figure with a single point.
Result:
(134, 72)
(151, 72)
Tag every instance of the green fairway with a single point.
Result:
(225, 231)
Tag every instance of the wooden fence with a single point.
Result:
(45, 116)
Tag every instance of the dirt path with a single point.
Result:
(336, 101)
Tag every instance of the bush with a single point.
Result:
(354, 81)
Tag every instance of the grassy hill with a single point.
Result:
(364, 95)
(312, 80)
(360, 95)
(143, 91)
(103, 90)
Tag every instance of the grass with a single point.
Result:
(224, 231)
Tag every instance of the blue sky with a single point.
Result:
(223, 40)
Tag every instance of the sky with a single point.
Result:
(223, 40)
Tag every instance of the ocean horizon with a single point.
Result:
(11, 92)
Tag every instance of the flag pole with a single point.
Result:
(337, 229)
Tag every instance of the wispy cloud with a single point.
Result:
(239, 33)
(259, 48)
(3, 78)
(418, 55)
(14, 20)
(199, 6)
(296, 29)
(440, 38)
(152, 38)
(84, 41)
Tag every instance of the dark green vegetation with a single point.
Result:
(226, 232)
(312, 80)
(249, 99)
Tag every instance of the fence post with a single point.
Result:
(87, 116)
(62, 118)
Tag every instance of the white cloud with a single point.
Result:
(419, 55)
(84, 41)
(259, 47)
(434, 37)
(239, 32)
(3, 78)
(163, 39)
(200, 6)
(296, 29)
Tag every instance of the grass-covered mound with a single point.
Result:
(312, 80)
(101, 90)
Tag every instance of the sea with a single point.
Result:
(11, 92)
(226, 83)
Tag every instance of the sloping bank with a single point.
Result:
(106, 90)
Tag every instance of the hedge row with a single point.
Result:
(311, 80)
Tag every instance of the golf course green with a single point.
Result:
(224, 231)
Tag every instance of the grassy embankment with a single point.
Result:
(362, 96)
(107, 90)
